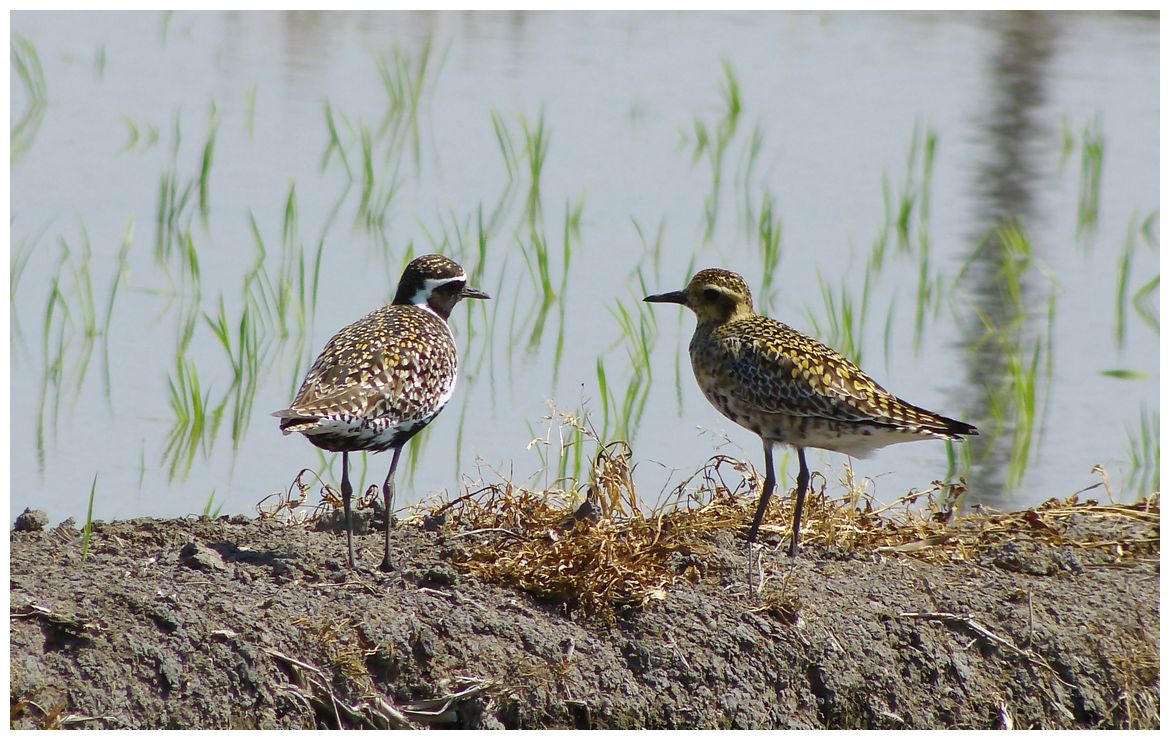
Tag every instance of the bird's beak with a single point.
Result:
(469, 292)
(675, 296)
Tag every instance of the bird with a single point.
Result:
(382, 379)
(789, 388)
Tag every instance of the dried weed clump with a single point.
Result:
(926, 524)
(605, 552)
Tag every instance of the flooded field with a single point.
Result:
(964, 203)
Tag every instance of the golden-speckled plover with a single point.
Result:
(789, 388)
(380, 380)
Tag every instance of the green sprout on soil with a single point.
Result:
(87, 531)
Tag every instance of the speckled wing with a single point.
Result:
(775, 369)
(390, 372)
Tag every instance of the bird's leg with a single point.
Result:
(765, 496)
(801, 489)
(346, 494)
(388, 497)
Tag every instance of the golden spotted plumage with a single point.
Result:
(378, 380)
(789, 388)
(383, 378)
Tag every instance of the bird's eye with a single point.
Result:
(710, 294)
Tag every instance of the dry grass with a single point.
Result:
(607, 553)
(593, 547)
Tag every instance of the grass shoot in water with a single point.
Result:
(1089, 198)
(1145, 454)
(769, 230)
(26, 66)
(712, 140)
(206, 161)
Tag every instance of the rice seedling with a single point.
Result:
(376, 196)
(250, 116)
(510, 154)
(53, 348)
(1022, 382)
(18, 263)
(1123, 268)
(206, 160)
(639, 332)
(712, 141)
(651, 250)
(83, 314)
(536, 144)
(334, 146)
(843, 328)
(746, 178)
(1089, 198)
(769, 230)
(192, 427)
(144, 134)
(571, 235)
(1145, 453)
(99, 61)
(26, 66)
(120, 277)
(245, 355)
(87, 530)
(170, 204)
(1145, 302)
(403, 83)
(1013, 392)
(908, 219)
(1125, 374)
(208, 512)
(1015, 259)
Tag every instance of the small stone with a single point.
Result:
(201, 557)
(31, 520)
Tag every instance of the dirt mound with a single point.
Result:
(240, 622)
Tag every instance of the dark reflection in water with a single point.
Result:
(1012, 133)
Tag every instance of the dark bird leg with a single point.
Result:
(769, 487)
(388, 497)
(801, 489)
(765, 496)
(346, 495)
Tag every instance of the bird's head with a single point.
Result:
(716, 296)
(435, 282)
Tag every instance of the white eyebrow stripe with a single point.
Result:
(430, 285)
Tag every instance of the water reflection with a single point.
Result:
(1001, 333)
(567, 160)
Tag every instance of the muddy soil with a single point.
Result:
(242, 623)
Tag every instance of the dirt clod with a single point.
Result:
(260, 623)
(31, 520)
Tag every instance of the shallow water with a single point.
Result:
(837, 103)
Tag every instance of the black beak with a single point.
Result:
(469, 292)
(675, 296)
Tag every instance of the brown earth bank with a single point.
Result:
(246, 623)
